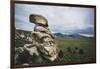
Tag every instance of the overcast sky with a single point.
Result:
(60, 19)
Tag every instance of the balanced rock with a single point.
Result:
(43, 47)
(43, 37)
(38, 20)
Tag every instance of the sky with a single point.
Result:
(61, 19)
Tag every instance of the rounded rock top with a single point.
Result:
(38, 20)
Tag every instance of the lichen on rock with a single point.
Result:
(43, 46)
(43, 36)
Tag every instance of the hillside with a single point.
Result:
(75, 49)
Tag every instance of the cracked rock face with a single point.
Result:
(43, 46)
(44, 38)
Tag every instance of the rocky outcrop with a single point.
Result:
(43, 46)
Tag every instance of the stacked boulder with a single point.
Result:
(43, 39)
(44, 47)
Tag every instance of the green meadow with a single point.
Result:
(77, 49)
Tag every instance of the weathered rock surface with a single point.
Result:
(43, 47)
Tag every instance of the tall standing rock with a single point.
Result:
(43, 39)
(43, 47)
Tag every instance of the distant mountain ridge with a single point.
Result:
(22, 34)
(75, 35)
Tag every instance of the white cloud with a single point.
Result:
(61, 19)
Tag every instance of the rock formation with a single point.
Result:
(43, 47)
(43, 38)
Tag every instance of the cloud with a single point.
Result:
(61, 19)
